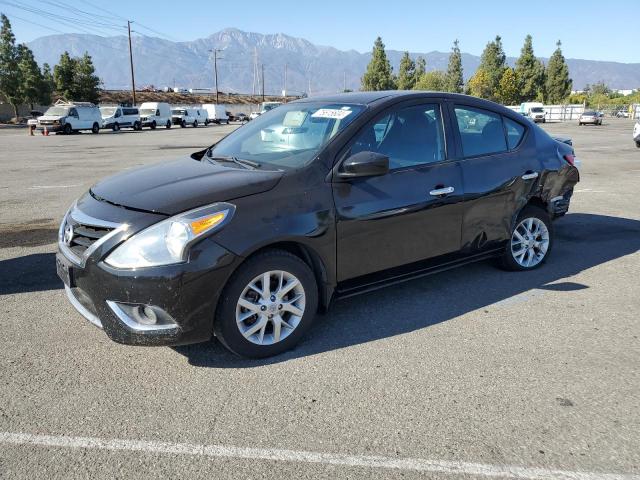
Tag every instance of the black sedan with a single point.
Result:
(318, 199)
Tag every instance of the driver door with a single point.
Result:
(412, 213)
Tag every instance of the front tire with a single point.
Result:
(530, 242)
(267, 305)
(67, 129)
(116, 127)
(638, 144)
(153, 125)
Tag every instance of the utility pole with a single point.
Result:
(215, 69)
(284, 91)
(133, 81)
(263, 82)
(344, 82)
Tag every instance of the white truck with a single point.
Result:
(264, 107)
(533, 110)
(155, 114)
(68, 117)
(216, 113)
(117, 117)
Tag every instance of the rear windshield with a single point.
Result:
(537, 109)
(589, 113)
(147, 111)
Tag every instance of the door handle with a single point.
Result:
(441, 191)
(530, 175)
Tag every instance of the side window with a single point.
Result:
(118, 114)
(481, 131)
(515, 132)
(73, 113)
(157, 112)
(409, 136)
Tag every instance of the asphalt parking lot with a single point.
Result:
(471, 373)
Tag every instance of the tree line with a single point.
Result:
(22, 81)
(530, 80)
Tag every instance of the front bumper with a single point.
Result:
(188, 293)
(50, 128)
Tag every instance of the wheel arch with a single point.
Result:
(309, 256)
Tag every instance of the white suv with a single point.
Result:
(636, 133)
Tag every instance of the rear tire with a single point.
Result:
(137, 126)
(233, 318)
(638, 144)
(195, 124)
(168, 125)
(531, 240)
(95, 128)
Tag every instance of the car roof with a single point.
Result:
(391, 96)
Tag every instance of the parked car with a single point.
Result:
(533, 110)
(241, 117)
(622, 114)
(264, 107)
(248, 238)
(154, 114)
(590, 117)
(636, 133)
(193, 116)
(217, 113)
(117, 117)
(68, 117)
(32, 122)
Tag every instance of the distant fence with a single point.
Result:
(558, 113)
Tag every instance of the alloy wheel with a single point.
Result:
(270, 307)
(530, 242)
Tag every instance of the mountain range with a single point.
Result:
(309, 68)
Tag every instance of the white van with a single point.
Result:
(155, 114)
(67, 117)
(533, 110)
(117, 117)
(216, 113)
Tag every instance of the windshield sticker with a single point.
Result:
(294, 119)
(331, 113)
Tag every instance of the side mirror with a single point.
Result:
(364, 164)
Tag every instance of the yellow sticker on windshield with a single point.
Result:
(331, 113)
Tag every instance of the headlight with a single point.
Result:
(168, 241)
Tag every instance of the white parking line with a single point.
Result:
(36, 187)
(414, 464)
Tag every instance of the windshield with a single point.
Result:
(107, 111)
(147, 111)
(289, 136)
(537, 109)
(179, 112)
(589, 113)
(57, 111)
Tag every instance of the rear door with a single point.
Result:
(500, 171)
(412, 213)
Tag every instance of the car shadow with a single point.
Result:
(583, 241)
(30, 273)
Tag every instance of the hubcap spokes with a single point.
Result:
(530, 242)
(270, 307)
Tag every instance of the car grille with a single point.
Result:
(84, 236)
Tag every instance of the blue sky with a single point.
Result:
(597, 31)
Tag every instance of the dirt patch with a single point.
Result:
(33, 233)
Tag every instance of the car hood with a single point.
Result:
(51, 117)
(180, 185)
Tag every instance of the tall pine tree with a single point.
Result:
(9, 71)
(530, 73)
(421, 67)
(63, 76)
(86, 82)
(379, 74)
(31, 81)
(406, 73)
(48, 85)
(454, 79)
(493, 64)
(558, 84)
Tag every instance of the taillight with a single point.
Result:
(570, 159)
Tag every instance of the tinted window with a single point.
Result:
(481, 131)
(408, 136)
(515, 132)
